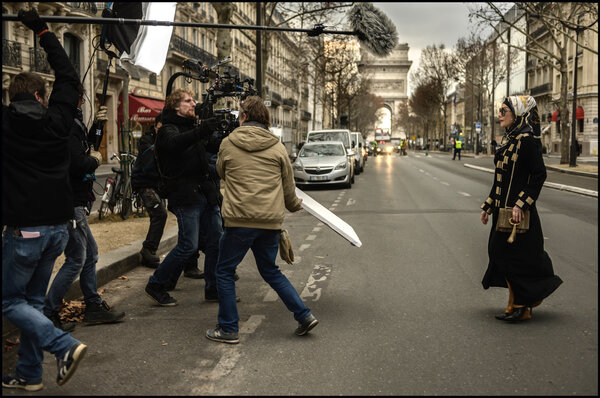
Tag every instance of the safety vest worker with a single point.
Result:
(458, 144)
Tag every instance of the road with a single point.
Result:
(405, 314)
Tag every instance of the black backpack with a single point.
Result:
(144, 173)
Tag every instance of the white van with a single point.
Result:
(359, 143)
(342, 135)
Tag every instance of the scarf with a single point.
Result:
(526, 114)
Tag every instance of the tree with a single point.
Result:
(424, 103)
(483, 63)
(438, 69)
(363, 108)
(561, 21)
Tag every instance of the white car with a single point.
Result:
(323, 163)
(342, 135)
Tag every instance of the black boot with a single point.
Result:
(96, 313)
(64, 326)
(149, 258)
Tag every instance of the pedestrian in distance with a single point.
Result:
(81, 252)
(457, 148)
(37, 203)
(144, 181)
(523, 266)
(259, 186)
(192, 196)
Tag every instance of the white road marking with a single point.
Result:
(316, 229)
(312, 291)
(445, 183)
(463, 193)
(334, 205)
(303, 247)
(422, 171)
(311, 237)
(251, 324)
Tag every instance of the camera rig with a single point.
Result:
(225, 85)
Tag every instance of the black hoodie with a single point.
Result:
(35, 148)
(183, 163)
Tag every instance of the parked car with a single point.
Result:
(323, 163)
(342, 135)
(359, 158)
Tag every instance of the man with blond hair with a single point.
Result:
(191, 194)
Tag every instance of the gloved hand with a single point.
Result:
(209, 124)
(101, 114)
(32, 20)
(96, 155)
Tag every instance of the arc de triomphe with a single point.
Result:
(389, 75)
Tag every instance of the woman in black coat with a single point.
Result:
(523, 266)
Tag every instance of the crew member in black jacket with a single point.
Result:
(191, 194)
(144, 181)
(82, 251)
(37, 203)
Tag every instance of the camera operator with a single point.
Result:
(82, 251)
(37, 203)
(192, 196)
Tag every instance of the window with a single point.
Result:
(71, 44)
(152, 78)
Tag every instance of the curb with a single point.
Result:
(110, 266)
(561, 187)
(576, 172)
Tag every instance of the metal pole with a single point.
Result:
(258, 81)
(123, 21)
(573, 154)
(493, 118)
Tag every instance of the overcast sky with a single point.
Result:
(423, 24)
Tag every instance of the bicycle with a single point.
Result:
(118, 195)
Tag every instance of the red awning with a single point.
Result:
(579, 113)
(142, 110)
(555, 116)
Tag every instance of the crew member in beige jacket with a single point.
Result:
(259, 186)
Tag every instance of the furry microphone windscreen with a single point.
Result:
(374, 29)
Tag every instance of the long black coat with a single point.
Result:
(523, 263)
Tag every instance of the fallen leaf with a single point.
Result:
(13, 342)
(164, 344)
(123, 277)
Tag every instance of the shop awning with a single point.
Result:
(142, 110)
(555, 116)
(579, 113)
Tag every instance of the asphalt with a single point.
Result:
(115, 263)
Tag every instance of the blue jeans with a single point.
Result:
(190, 221)
(81, 257)
(26, 269)
(264, 244)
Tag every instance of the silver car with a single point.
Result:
(323, 163)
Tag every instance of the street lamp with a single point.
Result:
(573, 155)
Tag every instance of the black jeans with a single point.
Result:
(158, 217)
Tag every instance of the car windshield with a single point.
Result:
(311, 151)
(329, 136)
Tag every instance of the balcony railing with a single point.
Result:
(38, 62)
(275, 96)
(306, 115)
(538, 32)
(290, 102)
(11, 53)
(89, 7)
(192, 51)
(541, 89)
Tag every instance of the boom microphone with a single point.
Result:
(374, 29)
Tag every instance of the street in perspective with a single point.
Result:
(453, 248)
